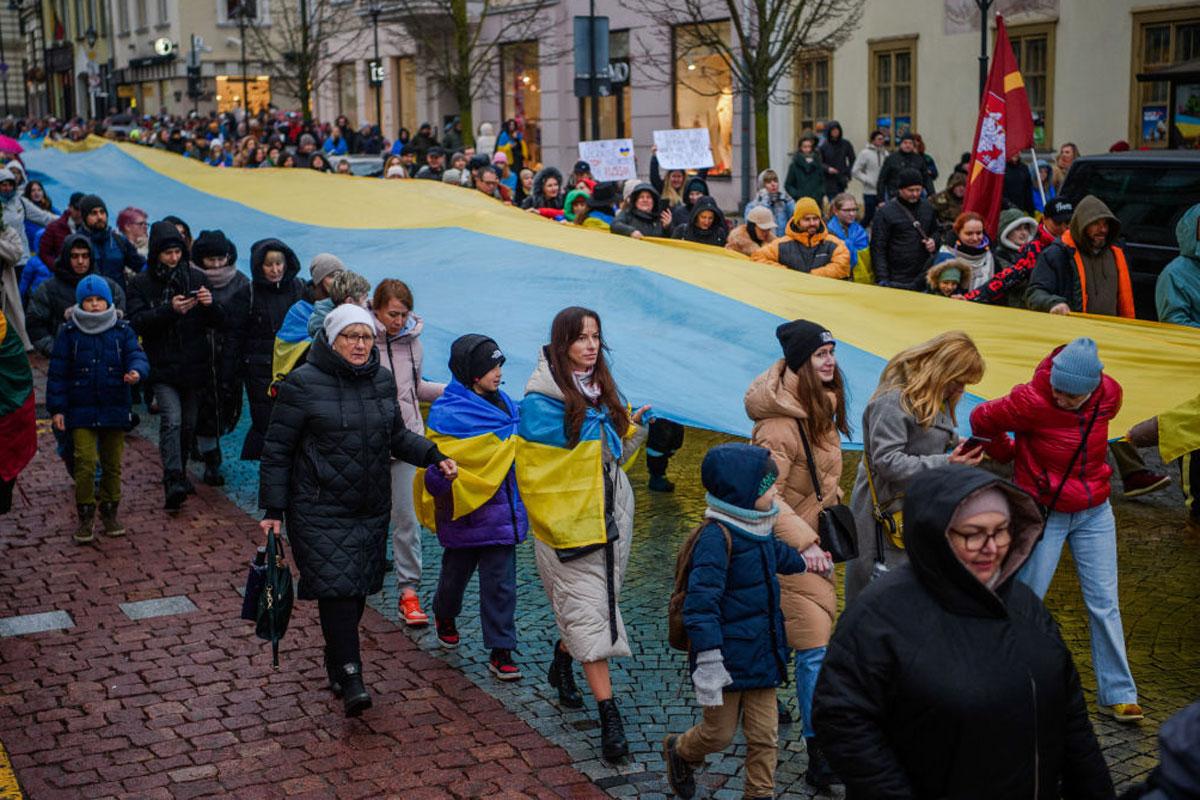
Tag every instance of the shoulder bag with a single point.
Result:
(835, 525)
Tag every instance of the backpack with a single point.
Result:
(676, 632)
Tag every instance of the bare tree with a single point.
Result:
(305, 41)
(758, 42)
(456, 50)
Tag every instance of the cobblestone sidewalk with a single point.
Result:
(124, 705)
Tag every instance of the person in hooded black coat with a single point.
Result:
(171, 307)
(537, 197)
(715, 234)
(947, 677)
(49, 302)
(837, 154)
(221, 401)
(325, 469)
(267, 303)
(682, 213)
(641, 215)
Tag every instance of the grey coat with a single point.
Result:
(898, 448)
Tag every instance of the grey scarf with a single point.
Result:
(93, 322)
(220, 277)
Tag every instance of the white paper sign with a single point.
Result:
(686, 148)
(610, 159)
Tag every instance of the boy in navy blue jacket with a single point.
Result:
(739, 651)
(96, 358)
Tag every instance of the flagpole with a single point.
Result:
(1037, 173)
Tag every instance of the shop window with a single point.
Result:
(615, 109)
(1033, 45)
(814, 96)
(406, 94)
(892, 90)
(520, 77)
(347, 89)
(1162, 39)
(229, 92)
(703, 81)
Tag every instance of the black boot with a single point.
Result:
(87, 513)
(355, 699)
(212, 468)
(819, 774)
(334, 674)
(108, 518)
(613, 744)
(562, 677)
(175, 490)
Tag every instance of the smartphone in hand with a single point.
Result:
(976, 443)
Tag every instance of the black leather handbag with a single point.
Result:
(276, 599)
(839, 535)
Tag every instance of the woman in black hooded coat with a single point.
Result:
(537, 197)
(682, 213)
(267, 305)
(715, 234)
(937, 686)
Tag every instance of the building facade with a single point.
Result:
(910, 65)
(155, 40)
(913, 64)
(74, 73)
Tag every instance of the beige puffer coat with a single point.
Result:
(809, 601)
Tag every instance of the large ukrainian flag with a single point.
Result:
(689, 328)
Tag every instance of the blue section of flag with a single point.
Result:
(687, 351)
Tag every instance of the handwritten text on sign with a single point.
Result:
(683, 148)
(610, 159)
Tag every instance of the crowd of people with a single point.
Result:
(945, 676)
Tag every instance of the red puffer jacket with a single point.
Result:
(1047, 436)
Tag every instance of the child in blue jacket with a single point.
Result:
(739, 651)
(96, 358)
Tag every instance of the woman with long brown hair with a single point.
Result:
(799, 410)
(908, 426)
(576, 434)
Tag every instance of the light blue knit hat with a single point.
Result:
(1076, 369)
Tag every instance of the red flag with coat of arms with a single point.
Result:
(1004, 129)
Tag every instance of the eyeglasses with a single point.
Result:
(974, 542)
(357, 338)
(490, 184)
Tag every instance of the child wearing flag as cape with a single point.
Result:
(479, 518)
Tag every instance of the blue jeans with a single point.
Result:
(1092, 535)
(808, 667)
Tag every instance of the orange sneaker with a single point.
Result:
(410, 610)
(1124, 712)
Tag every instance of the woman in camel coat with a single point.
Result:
(804, 391)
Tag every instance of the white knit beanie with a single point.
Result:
(345, 315)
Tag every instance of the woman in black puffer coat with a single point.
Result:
(325, 469)
(273, 289)
(947, 677)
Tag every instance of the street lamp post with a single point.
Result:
(242, 11)
(90, 37)
(984, 7)
(374, 9)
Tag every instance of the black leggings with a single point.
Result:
(339, 623)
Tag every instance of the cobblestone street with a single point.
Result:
(187, 705)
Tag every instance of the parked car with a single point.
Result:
(1148, 190)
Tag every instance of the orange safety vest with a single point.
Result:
(1124, 286)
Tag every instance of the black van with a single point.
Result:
(1148, 190)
